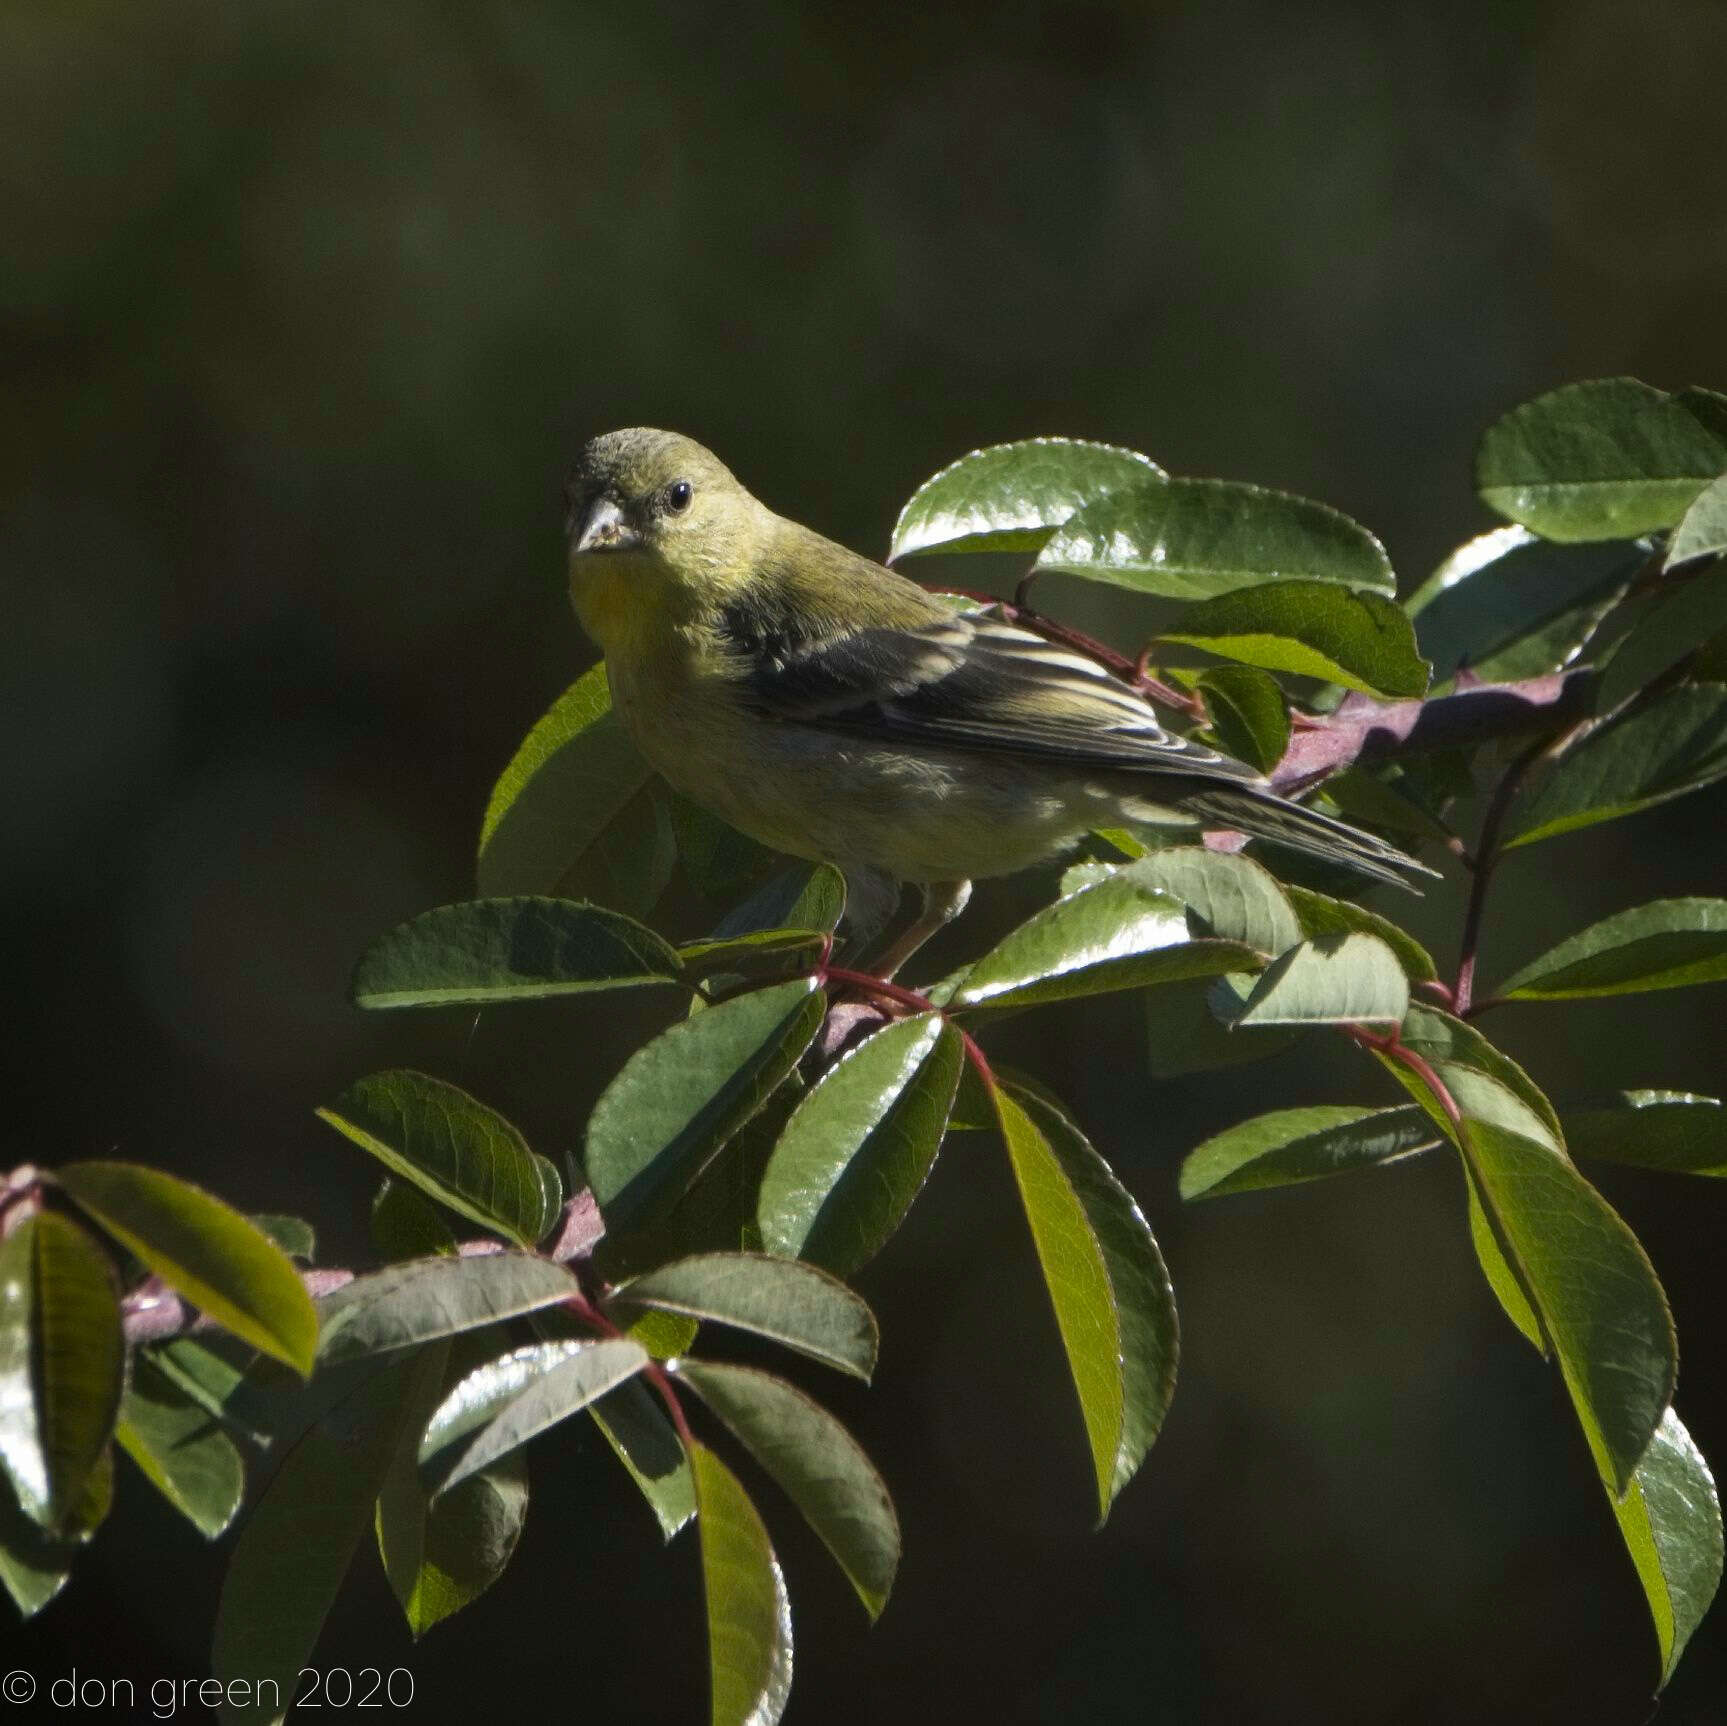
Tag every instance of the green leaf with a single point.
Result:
(1670, 1517)
(1288, 1146)
(736, 955)
(214, 1383)
(571, 778)
(407, 1225)
(1148, 1335)
(1666, 944)
(180, 1450)
(1702, 532)
(34, 1564)
(1313, 628)
(679, 1098)
(1248, 713)
(1501, 1278)
(1655, 753)
(453, 1148)
(749, 1614)
(1335, 979)
(1233, 897)
(806, 896)
(294, 1235)
(641, 1437)
(206, 1250)
(1684, 615)
(62, 1363)
(1441, 1038)
(859, 1146)
(631, 860)
(1599, 1302)
(300, 1539)
(422, 1300)
(1322, 915)
(717, 858)
(1010, 496)
(517, 949)
(791, 1302)
(1122, 933)
(1508, 605)
(441, 1554)
(500, 1406)
(1184, 1035)
(822, 1468)
(1673, 1130)
(1194, 538)
(1608, 459)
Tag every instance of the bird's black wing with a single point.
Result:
(970, 681)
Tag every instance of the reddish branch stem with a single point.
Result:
(1486, 860)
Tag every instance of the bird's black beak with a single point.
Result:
(605, 529)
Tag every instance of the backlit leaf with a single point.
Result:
(181, 1450)
(1703, 530)
(1683, 615)
(1248, 713)
(1333, 979)
(1666, 944)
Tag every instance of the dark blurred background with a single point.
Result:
(305, 309)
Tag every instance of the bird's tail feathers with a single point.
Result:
(1265, 815)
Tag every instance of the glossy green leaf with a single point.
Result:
(1501, 1278)
(1684, 615)
(1289, 1146)
(1389, 797)
(453, 1148)
(1702, 532)
(296, 1546)
(1148, 1334)
(1320, 914)
(181, 1450)
(1248, 713)
(1670, 1517)
(859, 1146)
(1655, 753)
(1608, 459)
(1509, 605)
(1334, 979)
(500, 1406)
(742, 952)
(1122, 933)
(793, 1303)
(1674, 1130)
(572, 777)
(206, 1250)
(822, 1468)
(749, 1613)
(210, 1380)
(634, 1425)
(1010, 496)
(407, 1225)
(1666, 944)
(1313, 628)
(517, 949)
(679, 1098)
(1195, 538)
(1232, 896)
(1599, 1302)
(422, 1300)
(62, 1363)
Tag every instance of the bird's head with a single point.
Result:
(657, 525)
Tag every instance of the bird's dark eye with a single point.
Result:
(678, 495)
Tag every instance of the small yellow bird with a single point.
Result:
(834, 710)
